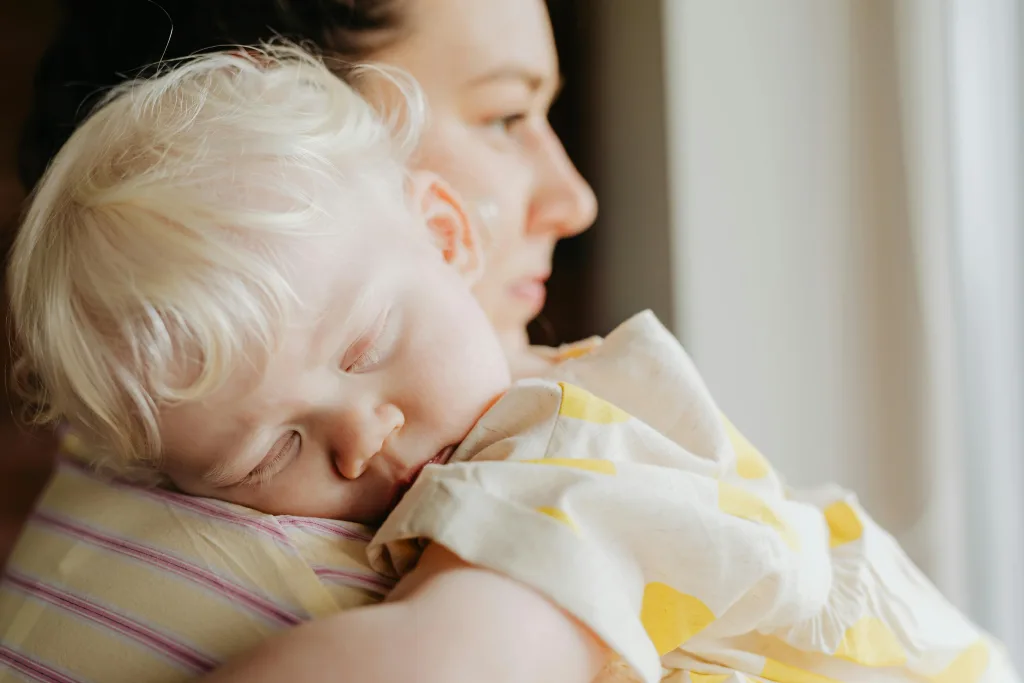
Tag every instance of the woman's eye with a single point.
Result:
(507, 124)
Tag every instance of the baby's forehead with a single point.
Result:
(342, 250)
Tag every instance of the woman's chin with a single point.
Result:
(523, 361)
(514, 340)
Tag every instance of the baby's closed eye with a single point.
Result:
(283, 450)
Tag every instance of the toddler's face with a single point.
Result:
(388, 365)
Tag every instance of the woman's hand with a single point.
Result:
(446, 622)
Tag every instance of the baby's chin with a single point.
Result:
(372, 515)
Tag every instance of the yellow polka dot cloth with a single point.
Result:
(646, 515)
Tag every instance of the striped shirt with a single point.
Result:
(112, 582)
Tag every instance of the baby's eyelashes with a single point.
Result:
(285, 448)
(368, 349)
(366, 360)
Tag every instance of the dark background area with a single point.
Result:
(569, 314)
(25, 457)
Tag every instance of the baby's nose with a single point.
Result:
(369, 437)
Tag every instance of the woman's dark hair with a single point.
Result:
(101, 43)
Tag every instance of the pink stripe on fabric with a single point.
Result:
(325, 526)
(148, 637)
(206, 508)
(368, 581)
(172, 565)
(272, 526)
(32, 669)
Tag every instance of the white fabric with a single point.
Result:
(654, 522)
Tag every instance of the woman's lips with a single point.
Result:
(531, 291)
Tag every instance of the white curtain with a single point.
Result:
(940, 534)
(962, 65)
(844, 182)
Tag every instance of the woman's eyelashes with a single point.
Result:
(507, 123)
(277, 458)
(521, 106)
(520, 127)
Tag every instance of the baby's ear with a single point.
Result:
(450, 228)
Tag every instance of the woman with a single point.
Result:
(489, 71)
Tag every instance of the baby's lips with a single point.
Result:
(442, 457)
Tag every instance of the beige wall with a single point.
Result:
(627, 161)
(790, 237)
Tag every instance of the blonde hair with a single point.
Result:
(149, 259)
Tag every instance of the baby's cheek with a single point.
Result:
(462, 362)
(485, 380)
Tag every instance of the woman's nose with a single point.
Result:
(564, 203)
(364, 437)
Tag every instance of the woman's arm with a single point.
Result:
(449, 622)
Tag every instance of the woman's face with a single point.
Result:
(490, 73)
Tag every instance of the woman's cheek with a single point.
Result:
(467, 156)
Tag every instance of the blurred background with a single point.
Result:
(822, 198)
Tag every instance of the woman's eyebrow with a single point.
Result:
(534, 79)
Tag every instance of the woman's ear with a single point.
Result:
(450, 228)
